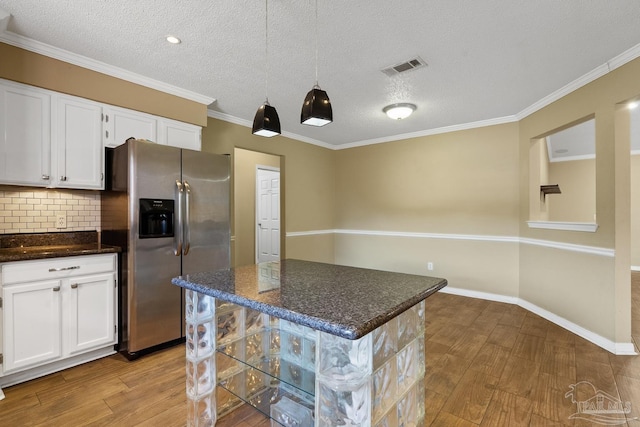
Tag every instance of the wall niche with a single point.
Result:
(562, 178)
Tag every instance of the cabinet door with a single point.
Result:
(90, 312)
(32, 324)
(25, 135)
(78, 144)
(120, 125)
(179, 134)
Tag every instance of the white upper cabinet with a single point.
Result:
(179, 134)
(78, 144)
(49, 139)
(121, 124)
(25, 135)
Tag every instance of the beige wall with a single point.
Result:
(307, 188)
(538, 175)
(245, 163)
(37, 70)
(449, 199)
(547, 275)
(462, 182)
(577, 181)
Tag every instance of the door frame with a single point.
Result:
(256, 216)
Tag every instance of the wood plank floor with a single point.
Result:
(488, 364)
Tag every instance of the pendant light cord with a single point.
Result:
(317, 43)
(266, 50)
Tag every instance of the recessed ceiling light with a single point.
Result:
(633, 105)
(399, 111)
(173, 40)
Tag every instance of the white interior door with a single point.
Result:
(267, 214)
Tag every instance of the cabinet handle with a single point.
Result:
(75, 267)
(45, 177)
(63, 178)
(56, 289)
(74, 285)
(106, 133)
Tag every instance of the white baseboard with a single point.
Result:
(617, 348)
(480, 295)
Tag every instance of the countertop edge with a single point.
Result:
(341, 330)
(17, 257)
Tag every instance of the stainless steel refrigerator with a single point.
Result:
(168, 208)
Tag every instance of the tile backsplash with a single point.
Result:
(34, 210)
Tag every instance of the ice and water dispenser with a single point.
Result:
(156, 218)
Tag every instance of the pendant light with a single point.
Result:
(266, 121)
(316, 108)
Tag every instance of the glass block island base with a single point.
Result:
(300, 375)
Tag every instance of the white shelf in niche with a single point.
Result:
(589, 227)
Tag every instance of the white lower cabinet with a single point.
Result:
(33, 324)
(67, 314)
(90, 312)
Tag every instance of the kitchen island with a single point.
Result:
(307, 343)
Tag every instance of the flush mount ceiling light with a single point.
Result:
(266, 121)
(399, 111)
(173, 40)
(316, 108)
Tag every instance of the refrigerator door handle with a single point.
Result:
(177, 235)
(187, 218)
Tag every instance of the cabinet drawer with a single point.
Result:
(53, 268)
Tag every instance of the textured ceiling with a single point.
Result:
(487, 60)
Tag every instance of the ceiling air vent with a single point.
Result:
(409, 65)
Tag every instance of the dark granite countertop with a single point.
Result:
(21, 247)
(348, 302)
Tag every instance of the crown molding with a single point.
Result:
(564, 91)
(101, 67)
(626, 56)
(618, 61)
(428, 132)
